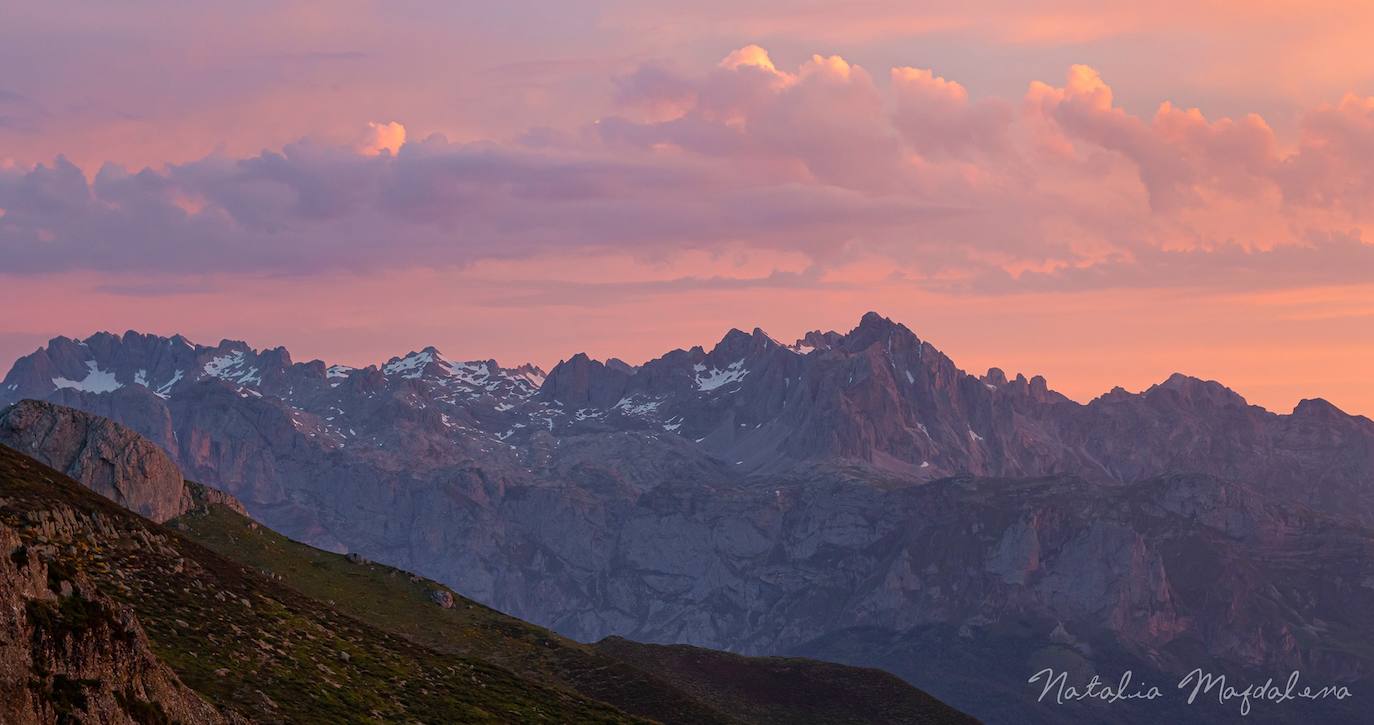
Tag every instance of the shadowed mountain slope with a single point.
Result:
(282, 631)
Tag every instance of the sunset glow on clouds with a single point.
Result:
(790, 189)
(386, 137)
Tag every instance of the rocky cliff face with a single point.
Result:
(109, 458)
(68, 654)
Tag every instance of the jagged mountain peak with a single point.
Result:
(740, 344)
(874, 328)
(430, 362)
(581, 381)
(1317, 408)
(872, 317)
(1182, 381)
(877, 394)
(815, 340)
(134, 364)
(1197, 389)
(413, 363)
(465, 380)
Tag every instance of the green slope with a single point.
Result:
(246, 641)
(403, 604)
(649, 681)
(785, 690)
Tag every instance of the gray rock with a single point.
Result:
(112, 460)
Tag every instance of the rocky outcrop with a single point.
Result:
(203, 497)
(107, 457)
(134, 406)
(581, 382)
(68, 654)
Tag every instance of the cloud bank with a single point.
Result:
(1060, 188)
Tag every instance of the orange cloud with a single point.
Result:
(388, 137)
(749, 55)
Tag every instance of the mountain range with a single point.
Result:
(108, 617)
(850, 496)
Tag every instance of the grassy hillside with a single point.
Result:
(649, 681)
(248, 642)
(405, 605)
(785, 690)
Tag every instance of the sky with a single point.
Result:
(1103, 193)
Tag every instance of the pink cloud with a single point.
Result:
(1332, 167)
(937, 119)
(819, 159)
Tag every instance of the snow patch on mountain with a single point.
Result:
(530, 374)
(96, 380)
(165, 390)
(474, 378)
(411, 366)
(230, 368)
(714, 378)
(630, 407)
(221, 365)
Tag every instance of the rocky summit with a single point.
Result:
(853, 496)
